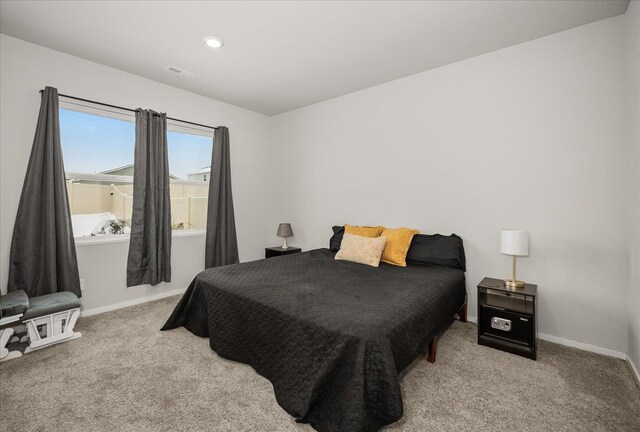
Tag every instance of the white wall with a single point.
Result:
(531, 136)
(632, 17)
(25, 68)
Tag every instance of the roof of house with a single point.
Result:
(111, 178)
(123, 167)
(109, 171)
(205, 170)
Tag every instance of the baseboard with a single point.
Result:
(573, 344)
(634, 370)
(583, 346)
(109, 308)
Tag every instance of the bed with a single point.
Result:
(332, 336)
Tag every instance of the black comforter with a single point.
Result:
(331, 336)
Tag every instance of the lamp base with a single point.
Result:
(513, 283)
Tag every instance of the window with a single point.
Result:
(98, 151)
(98, 161)
(190, 168)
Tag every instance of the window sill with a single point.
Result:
(188, 233)
(81, 241)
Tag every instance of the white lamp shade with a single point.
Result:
(514, 242)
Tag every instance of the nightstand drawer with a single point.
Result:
(503, 324)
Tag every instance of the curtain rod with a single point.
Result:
(129, 109)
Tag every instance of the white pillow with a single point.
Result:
(363, 250)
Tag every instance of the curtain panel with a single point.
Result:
(43, 253)
(149, 260)
(221, 246)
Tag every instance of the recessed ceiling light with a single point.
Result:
(214, 42)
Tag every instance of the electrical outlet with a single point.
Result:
(81, 284)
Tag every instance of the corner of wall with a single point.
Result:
(632, 23)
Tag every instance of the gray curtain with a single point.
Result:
(221, 244)
(149, 260)
(43, 253)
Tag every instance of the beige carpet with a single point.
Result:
(126, 375)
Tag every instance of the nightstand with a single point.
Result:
(275, 251)
(507, 317)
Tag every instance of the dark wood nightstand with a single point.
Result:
(275, 251)
(507, 317)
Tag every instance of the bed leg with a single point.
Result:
(433, 348)
(462, 313)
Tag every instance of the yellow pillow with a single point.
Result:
(398, 242)
(363, 250)
(363, 231)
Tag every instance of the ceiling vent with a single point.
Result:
(181, 72)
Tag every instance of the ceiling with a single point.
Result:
(279, 56)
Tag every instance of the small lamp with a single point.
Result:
(514, 243)
(284, 231)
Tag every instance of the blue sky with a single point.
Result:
(93, 143)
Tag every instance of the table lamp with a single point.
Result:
(284, 231)
(514, 243)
